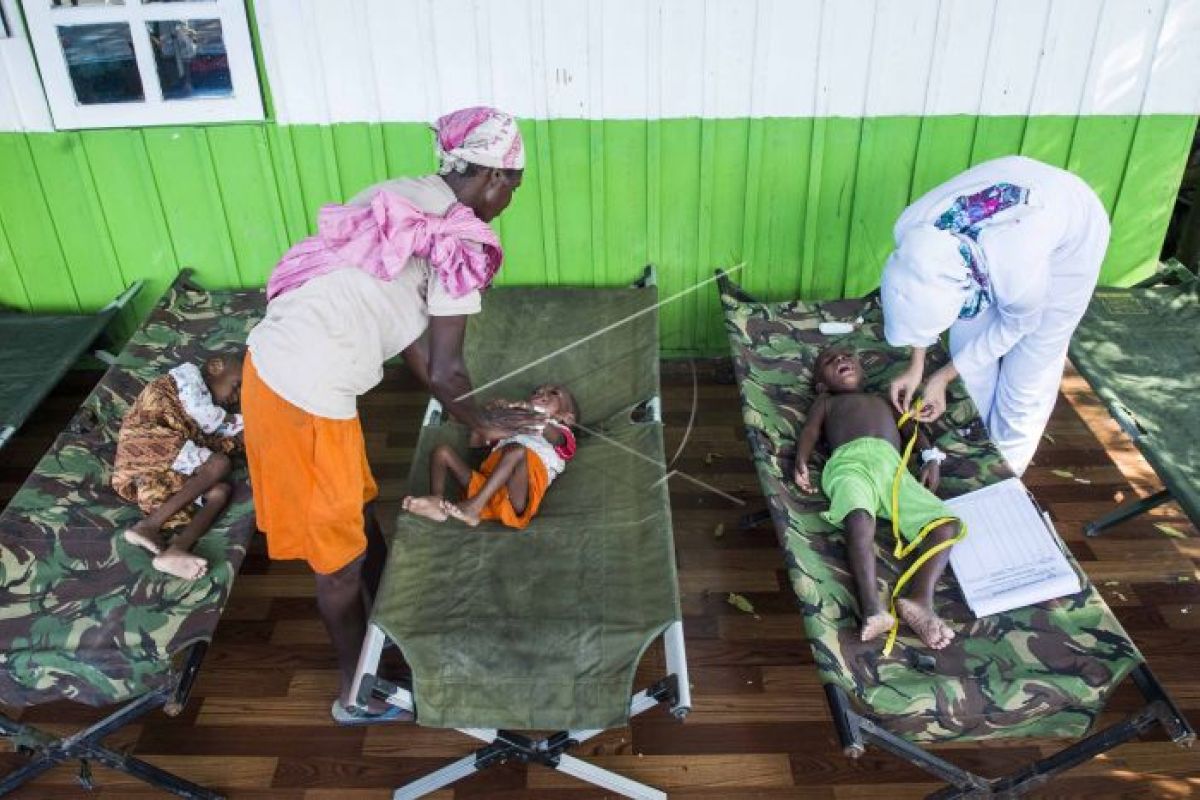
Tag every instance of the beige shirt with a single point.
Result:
(323, 344)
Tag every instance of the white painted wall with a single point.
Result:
(22, 102)
(413, 60)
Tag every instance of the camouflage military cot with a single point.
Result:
(1042, 671)
(36, 350)
(84, 616)
(543, 628)
(1139, 348)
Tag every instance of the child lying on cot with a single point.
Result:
(864, 439)
(513, 479)
(172, 454)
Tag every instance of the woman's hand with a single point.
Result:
(904, 388)
(933, 398)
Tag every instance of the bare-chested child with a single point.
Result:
(860, 430)
(513, 479)
(172, 451)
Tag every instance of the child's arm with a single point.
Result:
(809, 436)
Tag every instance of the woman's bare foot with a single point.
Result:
(877, 625)
(144, 535)
(181, 564)
(464, 512)
(935, 633)
(429, 507)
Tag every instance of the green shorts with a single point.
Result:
(858, 477)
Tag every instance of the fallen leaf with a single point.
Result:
(719, 531)
(1112, 583)
(741, 604)
(1082, 480)
(1167, 530)
(1048, 438)
(709, 458)
(1183, 611)
(1184, 579)
(1120, 596)
(1062, 473)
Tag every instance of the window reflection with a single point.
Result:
(190, 58)
(101, 63)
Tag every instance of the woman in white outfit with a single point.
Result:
(1005, 257)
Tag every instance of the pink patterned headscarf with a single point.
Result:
(381, 237)
(480, 135)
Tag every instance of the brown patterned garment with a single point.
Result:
(152, 434)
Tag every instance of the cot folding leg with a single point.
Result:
(856, 731)
(1126, 511)
(47, 751)
(550, 751)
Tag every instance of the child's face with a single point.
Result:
(839, 370)
(552, 399)
(226, 385)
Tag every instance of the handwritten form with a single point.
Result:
(1011, 557)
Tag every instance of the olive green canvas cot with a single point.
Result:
(84, 616)
(1041, 671)
(542, 629)
(36, 350)
(1139, 348)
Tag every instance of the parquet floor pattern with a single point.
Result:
(258, 725)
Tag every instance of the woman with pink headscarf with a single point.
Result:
(395, 271)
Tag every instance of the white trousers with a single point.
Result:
(1015, 394)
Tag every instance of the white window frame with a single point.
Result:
(244, 104)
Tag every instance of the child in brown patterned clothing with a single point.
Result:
(173, 452)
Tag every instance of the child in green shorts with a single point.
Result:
(862, 433)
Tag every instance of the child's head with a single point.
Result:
(223, 375)
(837, 370)
(557, 402)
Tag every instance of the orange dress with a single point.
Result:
(310, 478)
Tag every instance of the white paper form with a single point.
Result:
(1011, 558)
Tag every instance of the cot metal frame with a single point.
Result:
(46, 750)
(502, 746)
(855, 732)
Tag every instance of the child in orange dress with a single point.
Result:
(513, 479)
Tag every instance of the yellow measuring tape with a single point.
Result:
(901, 549)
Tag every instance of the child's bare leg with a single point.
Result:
(178, 559)
(511, 472)
(442, 460)
(146, 532)
(860, 546)
(917, 609)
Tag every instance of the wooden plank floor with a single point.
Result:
(258, 725)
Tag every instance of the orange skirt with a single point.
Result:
(310, 478)
(499, 507)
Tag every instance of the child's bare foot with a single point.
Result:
(181, 564)
(935, 633)
(429, 507)
(143, 534)
(877, 625)
(466, 512)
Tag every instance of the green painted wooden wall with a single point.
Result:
(807, 204)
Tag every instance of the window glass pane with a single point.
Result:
(101, 63)
(190, 58)
(82, 3)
